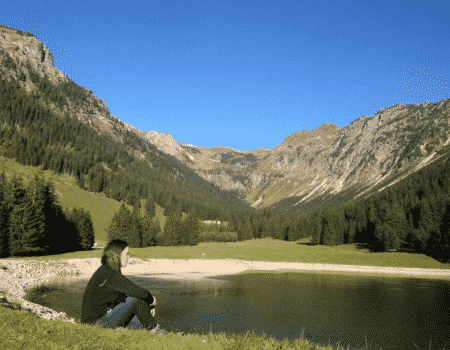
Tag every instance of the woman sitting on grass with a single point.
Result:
(111, 300)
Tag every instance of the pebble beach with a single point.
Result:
(17, 276)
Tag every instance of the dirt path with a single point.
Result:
(200, 268)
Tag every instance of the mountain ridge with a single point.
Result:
(307, 168)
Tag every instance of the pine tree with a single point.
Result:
(4, 217)
(444, 244)
(426, 223)
(420, 239)
(180, 238)
(328, 233)
(191, 227)
(340, 226)
(82, 182)
(350, 237)
(120, 224)
(169, 231)
(16, 199)
(247, 230)
(390, 232)
(56, 223)
(85, 229)
(170, 206)
(316, 224)
(135, 231)
(157, 229)
(71, 236)
(372, 221)
(34, 229)
(34, 216)
(150, 206)
(148, 231)
(260, 231)
(286, 233)
(233, 224)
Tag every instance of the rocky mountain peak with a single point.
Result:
(25, 48)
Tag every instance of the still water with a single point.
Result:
(391, 313)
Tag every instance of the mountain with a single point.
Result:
(49, 120)
(327, 163)
(307, 170)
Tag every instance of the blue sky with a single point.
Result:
(244, 74)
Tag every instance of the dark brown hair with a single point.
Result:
(112, 254)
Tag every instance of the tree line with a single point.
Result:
(146, 231)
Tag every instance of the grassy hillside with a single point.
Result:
(102, 208)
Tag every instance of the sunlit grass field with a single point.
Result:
(269, 249)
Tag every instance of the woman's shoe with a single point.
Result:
(158, 330)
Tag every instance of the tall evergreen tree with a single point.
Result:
(191, 227)
(85, 229)
(286, 233)
(150, 206)
(180, 237)
(340, 226)
(4, 218)
(34, 238)
(247, 231)
(148, 231)
(316, 224)
(71, 236)
(56, 223)
(420, 239)
(427, 225)
(157, 228)
(444, 244)
(170, 230)
(120, 224)
(372, 221)
(16, 199)
(328, 234)
(135, 231)
(260, 231)
(391, 234)
(170, 206)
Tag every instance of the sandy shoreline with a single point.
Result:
(202, 268)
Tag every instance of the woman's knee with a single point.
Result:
(136, 302)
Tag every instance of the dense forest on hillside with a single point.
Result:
(413, 213)
(33, 135)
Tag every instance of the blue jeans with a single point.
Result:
(132, 314)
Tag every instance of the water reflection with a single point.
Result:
(390, 312)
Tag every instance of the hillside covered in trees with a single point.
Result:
(412, 214)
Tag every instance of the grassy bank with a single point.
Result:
(28, 331)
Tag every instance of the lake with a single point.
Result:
(392, 312)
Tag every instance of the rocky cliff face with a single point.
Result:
(27, 48)
(311, 166)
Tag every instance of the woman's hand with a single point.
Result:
(152, 307)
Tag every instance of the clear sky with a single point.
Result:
(244, 73)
